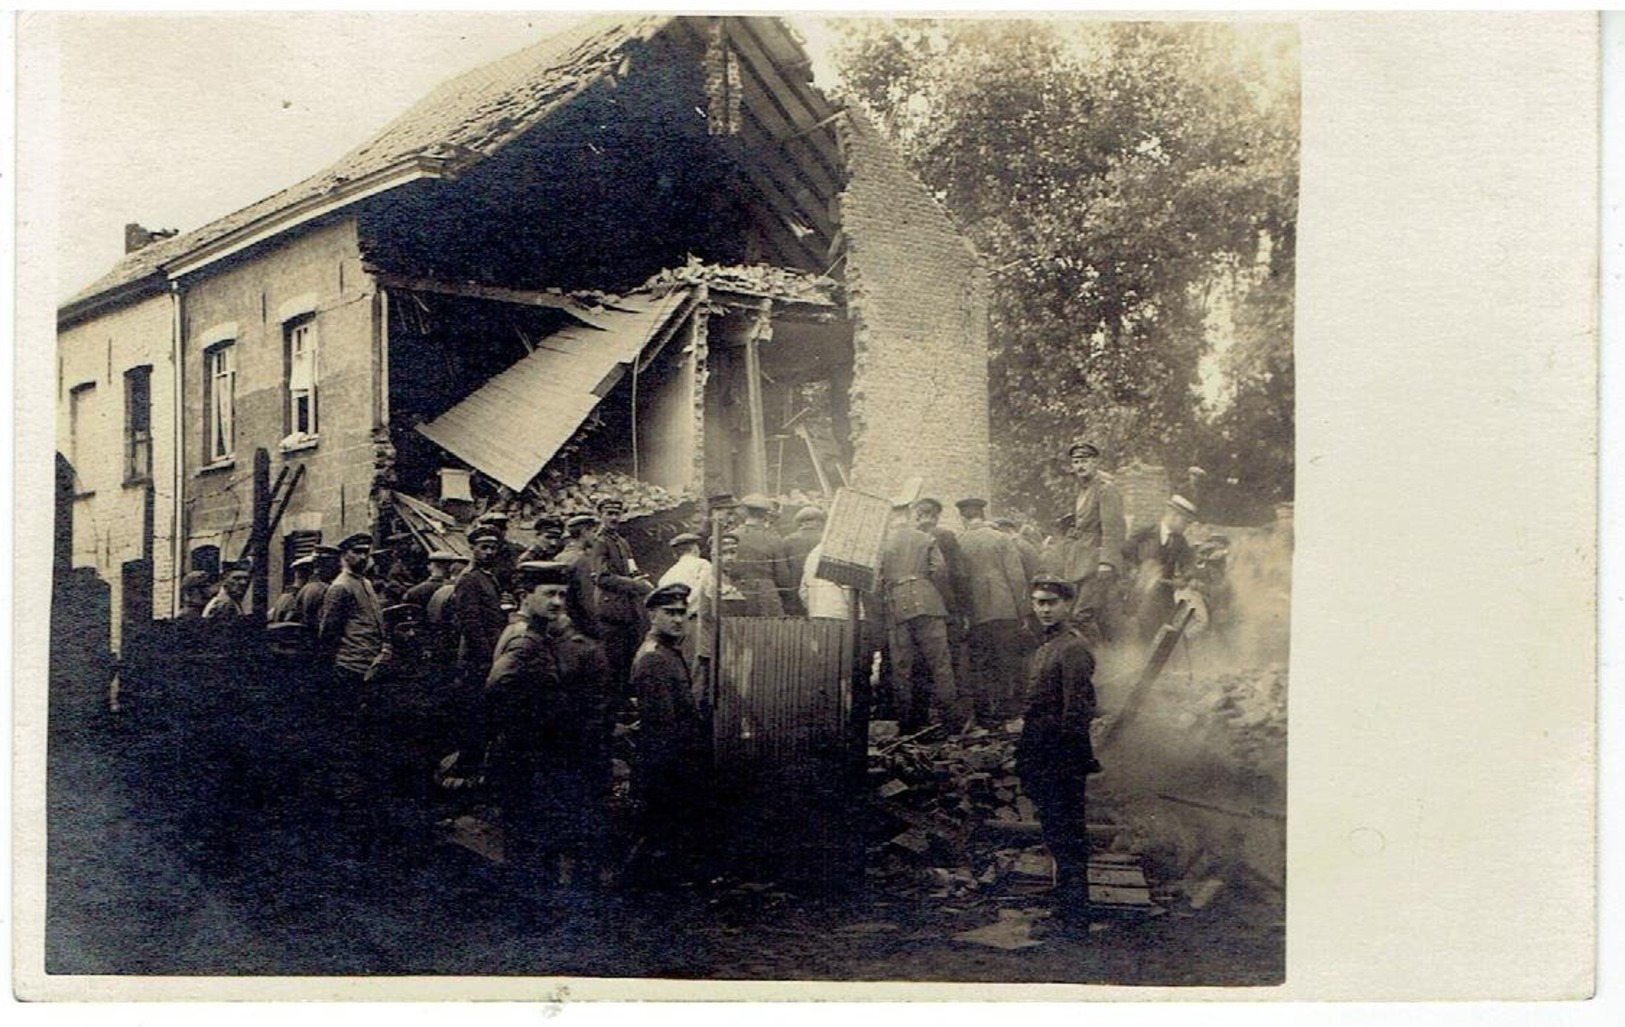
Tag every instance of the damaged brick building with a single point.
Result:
(647, 246)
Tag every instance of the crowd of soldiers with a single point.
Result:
(512, 669)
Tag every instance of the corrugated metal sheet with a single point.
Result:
(785, 698)
(511, 426)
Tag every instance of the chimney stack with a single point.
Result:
(135, 237)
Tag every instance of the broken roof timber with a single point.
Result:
(526, 297)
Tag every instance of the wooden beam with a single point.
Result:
(753, 388)
(469, 290)
(801, 109)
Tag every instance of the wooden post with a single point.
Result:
(714, 672)
(861, 697)
(260, 552)
(753, 388)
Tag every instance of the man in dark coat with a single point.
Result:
(549, 721)
(1162, 560)
(621, 589)
(668, 775)
(761, 568)
(476, 606)
(507, 552)
(580, 555)
(285, 607)
(809, 532)
(1054, 756)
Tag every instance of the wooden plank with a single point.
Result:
(853, 535)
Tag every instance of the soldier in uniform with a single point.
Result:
(809, 533)
(696, 573)
(673, 751)
(580, 554)
(507, 552)
(285, 608)
(228, 602)
(349, 637)
(1029, 553)
(912, 575)
(997, 600)
(549, 539)
(440, 563)
(1054, 756)
(549, 717)
(621, 588)
(322, 572)
(1096, 561)
(761, 566)
(476, 607)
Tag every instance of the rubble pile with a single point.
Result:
(758, 279)
(957, 827)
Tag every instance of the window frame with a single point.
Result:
(224, 350)
(301, 330)
(78, 421)
(138, 437)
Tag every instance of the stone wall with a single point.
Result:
(312, 273)
(917, 295)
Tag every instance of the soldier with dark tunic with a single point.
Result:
(548, 717)
(621, 589)
(580, 555)
(549, 539)
(285, 607)
(441, 562)
(507, 553)
(668, 774)
(1054, 756)
(761, 565)
(809, 532)
(476, 607)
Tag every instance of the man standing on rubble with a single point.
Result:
(1054, 756)
(668, 775)
(996, 588)
(549, 716)
(1097, 558)
(912, 574)
(761, 567)
(1162, 561)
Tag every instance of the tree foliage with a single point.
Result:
(1118, 178)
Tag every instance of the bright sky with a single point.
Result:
(172, 120)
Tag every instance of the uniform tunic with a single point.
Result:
(996, 588)
(1054, 756)
(761, 569)
(912, 572)
(548, 717)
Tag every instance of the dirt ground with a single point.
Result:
(128, 897)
